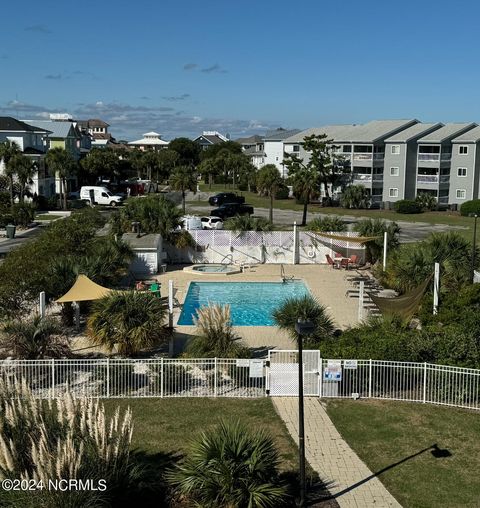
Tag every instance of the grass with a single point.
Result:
(447, 217)
(46, 216)
(384, 434)
(166, 426)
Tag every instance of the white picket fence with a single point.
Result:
(220, 377)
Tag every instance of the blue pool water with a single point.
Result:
(251, 303)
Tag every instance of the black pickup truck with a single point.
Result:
(231, 209)
(225, 197)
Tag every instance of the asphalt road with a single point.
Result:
(7, 245)
(409, 231)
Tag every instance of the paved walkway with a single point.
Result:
(354, 485)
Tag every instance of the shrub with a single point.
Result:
(241, 223)
(355, 196)
(23, 214)
(282, 192)
(6, 219)
(377, 228)
(407, 206)
(469, 207)
(215, 335)
(426, 201)
(327, 224)
(233, 466)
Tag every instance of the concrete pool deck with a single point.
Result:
(327, 285)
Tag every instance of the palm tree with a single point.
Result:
(24, 168)
(129, 321)
(9, 149)
(182, 179)
(241, 223)
(268, 183)
(377, 228)
(215, 335)
(231, 466)
(208, 167)
(327, 224)
(63, 165)
(36, 338)
(306, 308)
(306, 183)
(355, 196)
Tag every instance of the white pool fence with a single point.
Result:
(276, 376)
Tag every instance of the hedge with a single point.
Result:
(407, 206)
(469, 207)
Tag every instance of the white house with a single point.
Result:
(273, 147)
(150, 141)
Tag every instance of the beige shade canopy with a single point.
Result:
(351, 239)
(84, 290)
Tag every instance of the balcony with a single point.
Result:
(429, 157)
(446, 156)
(361, 179)
(427, 179)
(378, 156)
(362, 156)
(378, 177)
(445, 179)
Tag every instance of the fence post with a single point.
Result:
(42, 304)
(52, 392)
(215, 378)
(295, 247)
(361, 292)
(320, 381)
(161, 377)
(370, 379)
(108, 378)
(424, 382)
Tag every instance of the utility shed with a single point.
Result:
(148, 253)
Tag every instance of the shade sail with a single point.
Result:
(84, 290)
(403, 306)
(351, 239)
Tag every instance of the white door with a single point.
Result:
(283, 372)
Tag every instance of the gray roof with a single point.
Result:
(336, 132)
(280, 134)
(379, 130)
(471, 136)
(447, 132)
(144, 242)
(250, 140)
(10, 124)
(415, 131)
(57, 129)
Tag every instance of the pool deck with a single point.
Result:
(327, 285)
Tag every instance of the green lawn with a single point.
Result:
(46, 216)
(394, 435)
(167, 426)
(450, 218)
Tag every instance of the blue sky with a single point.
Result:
(239, 67)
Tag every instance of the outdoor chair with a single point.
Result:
(344, 263)
(155, 288)
(330, 261)
(353, 261)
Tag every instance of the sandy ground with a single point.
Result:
(327, 285)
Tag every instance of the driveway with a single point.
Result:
(410, 231)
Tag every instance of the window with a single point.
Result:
(393, 193)
(394, 171)
(463, 150)
(296, 148)
(461, 193)
(395, 149)
(462, 171)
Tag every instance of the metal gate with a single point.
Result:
(283, 372)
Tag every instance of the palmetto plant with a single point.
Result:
(128, 321)
(32, 339)
(377, 228)
(327, 224)
(355, 196)
(8, 150)
(24, 169)
(230, 467)
(62, 163)
(241, 223)
(215, 336)
(268, 183)
(183, 179)
(306, 308)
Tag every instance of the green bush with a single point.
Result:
(5, 219)
(407, 206)
(426, 201)
(469, 207)
(328, 223)
(23, 214)
(282, 193)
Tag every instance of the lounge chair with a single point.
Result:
(330, 261)
(353, 261)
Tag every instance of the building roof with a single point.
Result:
(280, 134)
(58, 129)
(415, 131)
(93, 122)
(471, 136)
(379, 130)
(251, 140)
(447, 132)
(7, 123)
(142, 242)
(150, 138)
(336, 132)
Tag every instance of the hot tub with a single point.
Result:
(213, 269)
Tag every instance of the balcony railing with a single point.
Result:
(377, 198)
(444, 178)
(427, 179)
(378, 178)
(362, 156)
(429, 157)
(360, 178)
(446, 156)
(378, 156)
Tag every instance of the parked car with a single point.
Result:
(99, 196)
(225, 197)
(191, 222)
(212, 223)
(231, 209)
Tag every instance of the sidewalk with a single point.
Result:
(354, 485)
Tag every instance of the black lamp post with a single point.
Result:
(303, 328)
(472, 274)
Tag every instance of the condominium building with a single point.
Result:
(273, 147)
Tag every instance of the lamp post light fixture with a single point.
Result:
(303, 328)
(474, 245)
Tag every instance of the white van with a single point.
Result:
(191, 222)
(99, 196)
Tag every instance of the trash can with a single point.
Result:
(10, 229)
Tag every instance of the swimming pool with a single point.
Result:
(251, 303)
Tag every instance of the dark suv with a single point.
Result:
(225, 197)
(231, 209)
